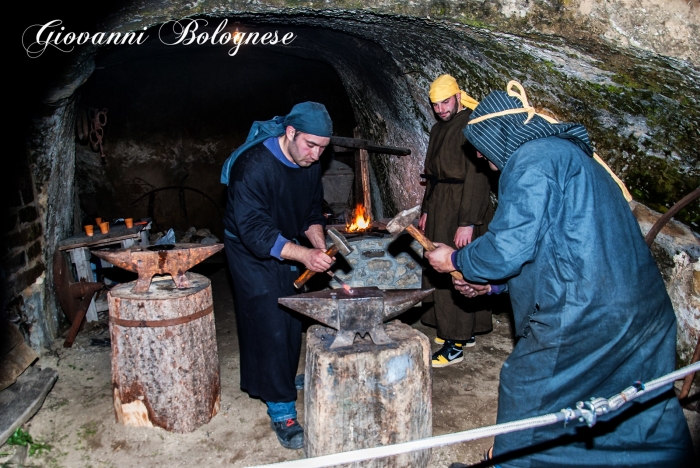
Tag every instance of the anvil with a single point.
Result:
(364, 311)
(172, 259)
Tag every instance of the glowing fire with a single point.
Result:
(361, 221)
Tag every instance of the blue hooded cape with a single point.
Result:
(591, 311)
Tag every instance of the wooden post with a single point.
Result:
(362, 177)
(165, 365)
(368, 395)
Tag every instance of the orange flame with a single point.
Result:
(361, 222)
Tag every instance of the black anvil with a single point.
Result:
(363, 311)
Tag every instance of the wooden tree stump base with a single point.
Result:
(368, 395)
(165, 364)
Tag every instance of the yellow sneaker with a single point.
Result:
(450, 353)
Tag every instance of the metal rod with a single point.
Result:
(345, 285)
(661, 222)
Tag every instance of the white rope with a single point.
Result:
(612, 404)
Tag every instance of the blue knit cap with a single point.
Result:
(310, 117)
(307, 117)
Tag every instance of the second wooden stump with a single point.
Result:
(368, 395)
(165, 364)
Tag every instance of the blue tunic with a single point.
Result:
(268, 198)
(590, 308)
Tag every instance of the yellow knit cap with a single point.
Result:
(445, 86)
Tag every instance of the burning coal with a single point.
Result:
(361, 220)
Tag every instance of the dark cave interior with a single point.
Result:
(174, 116)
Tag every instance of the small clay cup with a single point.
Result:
(104, 227)
(129, 222)
(98, 221)
(89, 230)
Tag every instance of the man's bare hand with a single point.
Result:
(470, 289)
(316, 236)
(441, 258)
(463, 236)
(317, 260)
(313, 259)
(422, 220)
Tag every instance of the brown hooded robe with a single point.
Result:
(456, 194)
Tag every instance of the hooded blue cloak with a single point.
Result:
(591, 311)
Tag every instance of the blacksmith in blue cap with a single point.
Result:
(274, 199)
(591, 311)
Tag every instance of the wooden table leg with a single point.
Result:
(78, 321)
(81, 258)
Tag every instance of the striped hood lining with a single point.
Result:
(505, 121)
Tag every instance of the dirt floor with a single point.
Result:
(77, 419)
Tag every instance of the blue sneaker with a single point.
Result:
(289, 433)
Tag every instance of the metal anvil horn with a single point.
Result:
(363, 312)
(172, 259)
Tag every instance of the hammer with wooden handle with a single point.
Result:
(404, 222)
(340, 245)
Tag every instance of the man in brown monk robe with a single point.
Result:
(456, 210)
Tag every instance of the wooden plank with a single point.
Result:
(20, 401)
(15, 354)
(145, 242)
(116, 234)
(358, 143)
(362, 173)
(341, 150)
(99, 242)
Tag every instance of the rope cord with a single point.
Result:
(585, 411)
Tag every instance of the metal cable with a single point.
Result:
(585, 411)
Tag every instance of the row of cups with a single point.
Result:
(104, 226)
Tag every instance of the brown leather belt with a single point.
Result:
(162, 323)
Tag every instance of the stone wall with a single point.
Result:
(22, 259)
(40, 211)
(666, 27)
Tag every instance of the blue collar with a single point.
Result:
(273, 144)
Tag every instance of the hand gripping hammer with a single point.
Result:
(404, 221)
(340, 245)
